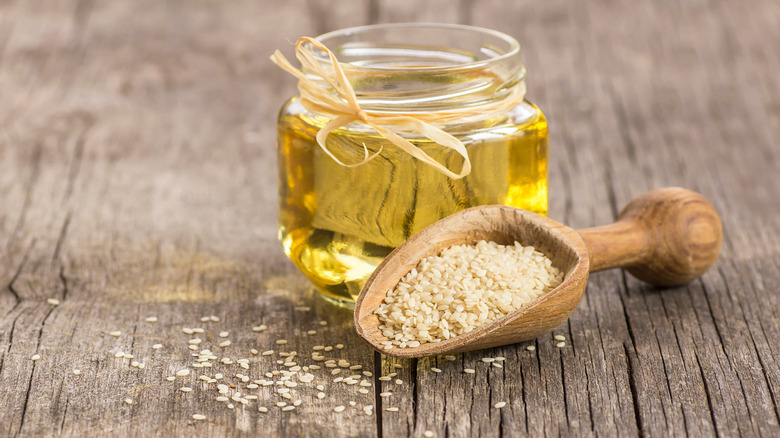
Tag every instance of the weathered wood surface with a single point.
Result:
(137, 178)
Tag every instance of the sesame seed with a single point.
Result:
(311, 332)
(268, 352)
(262, 409)
(115, 333)
(151, 319)
(187, 331)
(436, 370)
(53, 301)
(363, 391)
(260, 328)
(204, 319)
(198, 330)
(399, 382)
(185, 389)
(214, 318)
(560, 344)
(385, 394)
(500, 358)
(230, 406)
(195, 341)
(450, 357)
(469, 370)
(560, 338)
(385, 378)
(288, 408)
(320, 395)
(398, 366)
(77, 372)
(281, 342)
(488, 359)
(222, 398)
(500, 405)
(224, 334)
(170, 378)
(157, 346)
(323, 323)
(497, 365)
(198, 417)
(35, 357)
(339, 409)
(297, 403)
(129, 401)
(281, 404)
(530, 348)
(224, 344)
(428, 434)
(253, 351)
(392, 409)
(340, 346)
(182, 373)
(320, 387)
(119, 354)
(352, 403)
(134, 363)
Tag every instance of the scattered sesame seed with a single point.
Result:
(339, 409)
(119, 354)
(268, 352)
(224, 334)
(497, 365)
(530, 348)
(392, 409)
(129, 401)
(560, 344)
(187, 330)
(230, 406)
(398, 365)
(222, 398)
(115, 333)
(469, 370)
(224, 343)
(500, 358)
(288, 408)
(399, 382)
(260, 328)
(385, 378)
(53, 301)
(385, 394)
(170, 378)
(560, 338)
(450, 357)
(320, 395)
(352, 403)
(204, 319)
(77, 372)
(185, 389)
(500, 405)
(281, 404)
(35, 357)
(340, 346)
(311, 332)
(198, 330)
(198, 417)
(157, 346)
(297, 403)
(363, 391)
(262, 409)
(488, 359)
(151, 319)
(435, 370)
(134, 363)
(182, 373)
(253, 351)
(214, 318)
(281, 342)
(195, 341)
(428, 434)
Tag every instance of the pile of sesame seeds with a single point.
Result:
(465, 287)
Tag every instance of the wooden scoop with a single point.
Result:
(666, 237)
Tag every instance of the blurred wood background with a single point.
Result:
(138, 179)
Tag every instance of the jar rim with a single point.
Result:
(512, 50)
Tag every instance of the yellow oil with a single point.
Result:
(337, 223)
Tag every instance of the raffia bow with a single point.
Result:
(343, 106)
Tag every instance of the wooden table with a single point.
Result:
(138, 179)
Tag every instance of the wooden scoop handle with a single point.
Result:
(666, 237)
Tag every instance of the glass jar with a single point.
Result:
(336, 222)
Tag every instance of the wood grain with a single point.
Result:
(137, 178)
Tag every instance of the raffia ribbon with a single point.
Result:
(343, 106)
